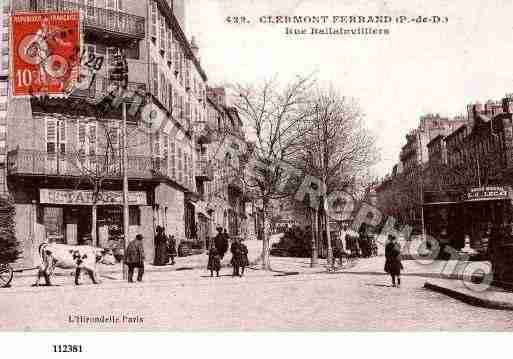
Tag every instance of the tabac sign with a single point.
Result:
(487, 193)
(85, 198)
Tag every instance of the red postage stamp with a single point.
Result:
(45, 52)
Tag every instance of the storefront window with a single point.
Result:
(53, 222)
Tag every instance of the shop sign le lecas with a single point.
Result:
(488, 193)
(85, 198)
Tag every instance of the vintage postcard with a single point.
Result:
(222, 165)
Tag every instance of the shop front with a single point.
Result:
(67, 215)
(484, 209)
(449, 217)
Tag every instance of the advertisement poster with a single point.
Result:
(45, 52)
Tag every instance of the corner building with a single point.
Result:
(56, 149)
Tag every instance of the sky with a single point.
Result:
(418, 68)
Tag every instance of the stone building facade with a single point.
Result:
(52, 146)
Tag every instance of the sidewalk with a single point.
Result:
(491, 298)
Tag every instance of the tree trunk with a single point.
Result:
(94, 214)
(266, 263)
(315, 255)
(329, 256)
(93, 225)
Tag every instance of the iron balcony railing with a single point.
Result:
(40, 163)
(94, 18)
(204, 170)
(98, 88)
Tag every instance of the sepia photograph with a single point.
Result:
(262, 166)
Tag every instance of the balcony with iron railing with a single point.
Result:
(100, 20)
(98, 88)
(204, 170)
(39, 163)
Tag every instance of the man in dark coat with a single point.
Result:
(134, 258)
(393, 263)
(237, 257)
(221, 242)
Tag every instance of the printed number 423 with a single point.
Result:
(67, 348)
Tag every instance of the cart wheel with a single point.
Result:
(5, 275)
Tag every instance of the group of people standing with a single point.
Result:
(218, 249)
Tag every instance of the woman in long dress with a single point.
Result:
(161, 255)
(393, 265)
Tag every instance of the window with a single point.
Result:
(187, 74)
(153, 22)
(113, 138)
(173, 161)
(185, 169)
(163, 93)
(90, 8)
(163, 33)
(155, 80)
(156, 145)
(188, 114)
(170, 97)
(179, 157)
(169, 45)
(55, 136)
(175, 108)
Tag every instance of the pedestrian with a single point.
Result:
(161, 251)
(244, 257)
(46, 268)
(214, 261)
(221, 242)
(135, 258)
(393, 265)
(171, 246)
(236, 261)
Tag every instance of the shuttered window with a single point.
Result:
(170, 49)
(179, 156)
(155, 75)
(173, 160)
(51, 136)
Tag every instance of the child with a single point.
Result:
(46, 268)
(244, 257)
(214, 261)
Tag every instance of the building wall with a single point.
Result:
(170, 212)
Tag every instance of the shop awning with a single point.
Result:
(440, 203)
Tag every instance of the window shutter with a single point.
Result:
(153, 27)
(156, 145)
(170, 45)
(51, 135)
(170, 95)
(62, 136)
(173, 161)
(92, 139)
(155, 80)
(179, 156)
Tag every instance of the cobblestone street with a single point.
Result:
(191, 300)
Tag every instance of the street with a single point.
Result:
(279, 300)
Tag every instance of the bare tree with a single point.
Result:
(272, 112)
(96, 158)
(333, 145)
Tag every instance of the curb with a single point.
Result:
(469, 299)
